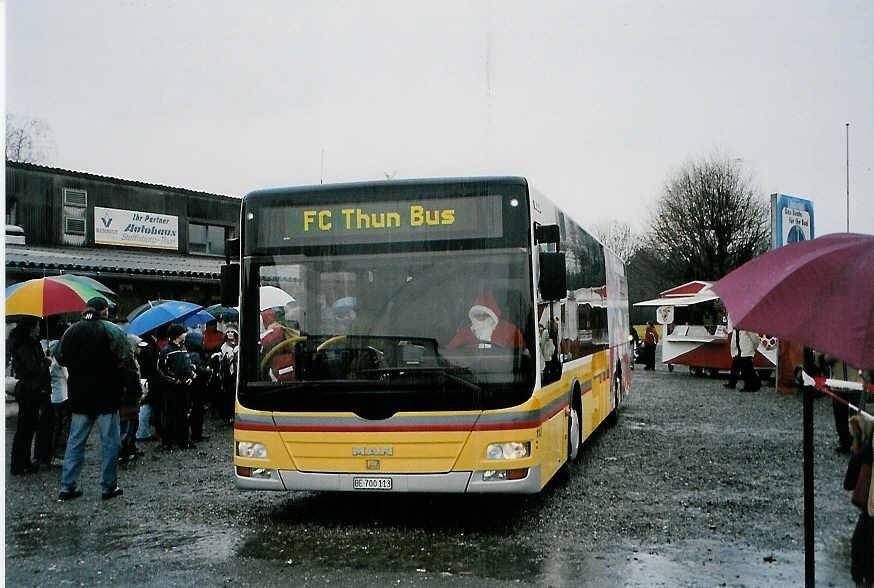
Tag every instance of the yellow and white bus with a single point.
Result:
(439, 335)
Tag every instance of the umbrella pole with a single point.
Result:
(807, 443)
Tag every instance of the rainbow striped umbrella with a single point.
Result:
(53, 295)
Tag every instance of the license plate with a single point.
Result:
(371, 483)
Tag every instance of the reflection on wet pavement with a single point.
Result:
(487, 538)
(455, 535)
(67, 539)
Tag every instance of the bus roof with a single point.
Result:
(329, 189)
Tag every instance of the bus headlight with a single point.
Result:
(499, 475)
(253, 450)
(514, 450)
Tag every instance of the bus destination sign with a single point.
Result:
(382, 222)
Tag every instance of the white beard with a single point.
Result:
(483, 329)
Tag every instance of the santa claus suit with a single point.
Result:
(486, 326)
(282, 361)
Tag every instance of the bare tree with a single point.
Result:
(29, 140)
(620, 238)
(709, 220)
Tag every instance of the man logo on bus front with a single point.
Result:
(371, 451)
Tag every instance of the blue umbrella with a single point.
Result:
(201, 317)
(143, 308)
(167, 312)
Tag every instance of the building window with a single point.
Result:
(77, 198)
(206, 239)
(74, 226)
(75, 208)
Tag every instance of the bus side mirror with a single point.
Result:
(553, 276)
(230, 284)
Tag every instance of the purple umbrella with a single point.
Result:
(818, 293)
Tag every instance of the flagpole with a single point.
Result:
(848, 177)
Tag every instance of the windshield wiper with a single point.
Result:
(445, 371)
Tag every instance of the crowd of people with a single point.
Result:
(157, 387)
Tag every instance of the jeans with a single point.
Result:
(110, 440)
(144, 429)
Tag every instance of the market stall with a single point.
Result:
(695, 333)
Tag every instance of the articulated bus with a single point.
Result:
(439, 335)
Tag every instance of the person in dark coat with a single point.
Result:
(635, 343)
(229, 353)
(151, 414)
(650, 340)
(99, 361)
(862, 542)
(194, 344)
(33, 390)
(174, 365)
(130, 405)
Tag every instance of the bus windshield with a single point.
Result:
(381, 333)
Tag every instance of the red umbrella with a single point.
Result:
(818, 293)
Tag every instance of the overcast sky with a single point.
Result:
(597, 103)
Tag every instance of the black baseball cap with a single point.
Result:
(98, 303)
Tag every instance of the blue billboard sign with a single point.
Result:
(791, 220)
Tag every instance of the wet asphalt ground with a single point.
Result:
(696, 486)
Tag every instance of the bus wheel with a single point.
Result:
(695, 371)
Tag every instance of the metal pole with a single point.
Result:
(807, 443)
(848, 177)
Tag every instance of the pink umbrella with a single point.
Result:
(818, 293)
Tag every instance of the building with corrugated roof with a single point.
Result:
(145, 241)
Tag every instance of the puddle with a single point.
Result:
(195, 542)
(78, 538)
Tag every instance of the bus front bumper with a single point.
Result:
(451, 482)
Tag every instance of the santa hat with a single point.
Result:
(485, 303)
